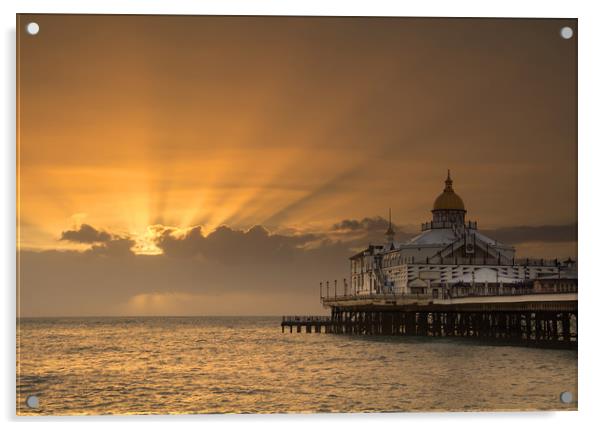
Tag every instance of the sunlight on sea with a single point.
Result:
(231, 365)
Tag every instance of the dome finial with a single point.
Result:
(448, 182)
(448, 199)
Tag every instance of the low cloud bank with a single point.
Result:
(258, 271)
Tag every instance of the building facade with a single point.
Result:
(449, 251)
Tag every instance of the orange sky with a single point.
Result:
(295, 124)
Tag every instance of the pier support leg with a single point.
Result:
(422, 324)
(566, 328)
(387, 323)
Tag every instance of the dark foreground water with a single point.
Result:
(225, 365)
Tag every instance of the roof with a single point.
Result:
(438, 236)
(445, 236)
(371, 250)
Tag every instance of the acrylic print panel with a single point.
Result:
(402, 190)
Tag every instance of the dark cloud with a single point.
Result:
(358, 233)
(377, 223)
(229, 245)
(86, 234)
(373, 230)
(103, 243)
(184, 246)
(116, 247)
(544, 233)
(367, 230)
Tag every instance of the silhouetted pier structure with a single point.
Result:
(312, 324)
(452, 280)
(507, 314)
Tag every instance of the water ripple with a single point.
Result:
(226, 365)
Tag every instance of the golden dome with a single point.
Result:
(448, 199)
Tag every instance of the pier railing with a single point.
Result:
(437, 260)
(377, 296)
(455, 292)
(429, 225)
(485, 261)
(305, 319)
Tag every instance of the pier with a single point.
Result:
(451, 280)
(509, 315)
(312, 324)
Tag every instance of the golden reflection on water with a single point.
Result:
(231, 365)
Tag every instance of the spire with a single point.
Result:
(390, 232)
(448, 182)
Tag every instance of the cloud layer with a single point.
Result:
(225, 244)
(225, 272)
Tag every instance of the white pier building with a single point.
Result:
(449, 251)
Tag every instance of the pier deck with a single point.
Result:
(311, 323)
(519, 316)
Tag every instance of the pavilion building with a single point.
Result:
(449, 252)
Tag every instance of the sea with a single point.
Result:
(207, 365)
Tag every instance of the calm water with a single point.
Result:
(209, 365)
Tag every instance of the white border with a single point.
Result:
(590, 175)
